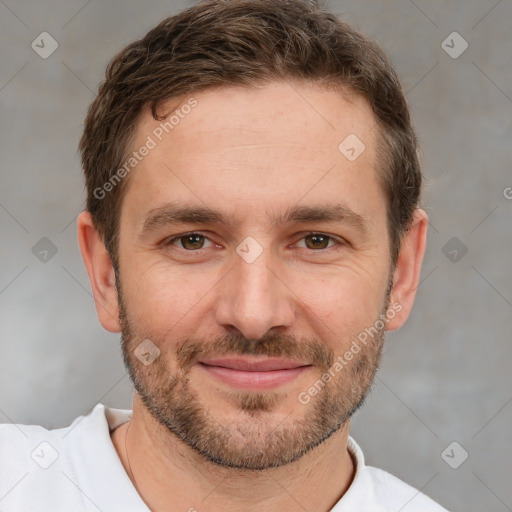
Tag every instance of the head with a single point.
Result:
(279, 140)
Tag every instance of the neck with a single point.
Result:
(165, 470)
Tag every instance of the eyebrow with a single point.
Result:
(175, 213)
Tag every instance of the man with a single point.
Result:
(252, 229)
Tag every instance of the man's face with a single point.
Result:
(273, 281)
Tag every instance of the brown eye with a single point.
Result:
(317, 241)
(192, 241)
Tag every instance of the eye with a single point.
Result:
(189, 241)
(319, 241)
(193, 242)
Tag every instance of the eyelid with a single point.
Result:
(169, 241)
(339, 241)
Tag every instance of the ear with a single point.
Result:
(101, 272)
(406, 276)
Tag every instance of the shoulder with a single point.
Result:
(24, 445)
(376, 490)
(41, 468)
(399, 495)
(31, 460)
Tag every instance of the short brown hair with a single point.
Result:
(245, 43)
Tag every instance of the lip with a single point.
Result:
(253, 365)
(252, 373)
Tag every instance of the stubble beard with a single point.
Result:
(252, 439)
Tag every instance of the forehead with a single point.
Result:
(277, 111)
(272, 144)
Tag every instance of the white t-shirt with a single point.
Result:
(77, 469)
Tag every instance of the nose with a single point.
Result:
(253, 298)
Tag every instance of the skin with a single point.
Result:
(251, 154)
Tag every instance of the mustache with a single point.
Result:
(307, 351)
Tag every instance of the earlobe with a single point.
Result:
(101, 272)
(407, 272)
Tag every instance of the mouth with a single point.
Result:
(250, 373)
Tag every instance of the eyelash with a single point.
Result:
(339, 242)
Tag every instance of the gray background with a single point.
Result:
(446, 374)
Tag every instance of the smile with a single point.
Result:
(254, 374)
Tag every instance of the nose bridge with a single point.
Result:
(253, 299)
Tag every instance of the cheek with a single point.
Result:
(161, 295)
(342, 304)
